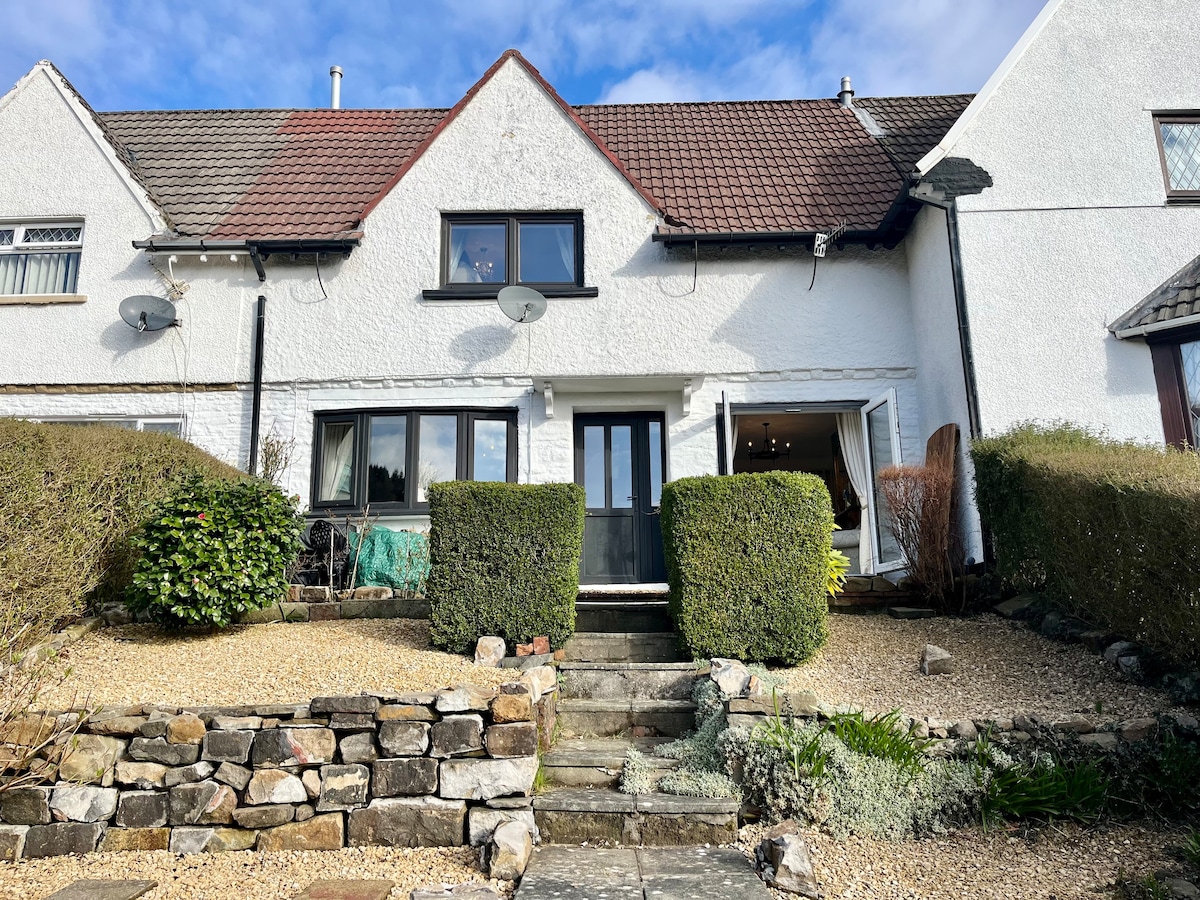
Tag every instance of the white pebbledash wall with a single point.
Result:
(1076, 229)
(750, 327)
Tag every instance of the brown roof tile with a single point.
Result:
(1176, 298)
(912, 126)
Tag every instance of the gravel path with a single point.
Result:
(1063, 862)
(277, 663)
(1002, 668)
(246, 875)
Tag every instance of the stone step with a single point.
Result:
(103, 889)
(606, 816)
(607, 718)
(622, 615)
(614, 680)
(596, 762)
(346, 889)
(624, 646)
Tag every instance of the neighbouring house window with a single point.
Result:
(39, 257)
(387, 459)
(172, 425)
(534, 249)
(1179, 146)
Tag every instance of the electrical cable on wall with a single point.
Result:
(320, 282)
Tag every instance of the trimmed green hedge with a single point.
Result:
(504, 560)
(747, 557)
(70, 498)
(1108, 530)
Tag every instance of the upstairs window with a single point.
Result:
(40, 257)
(1179, 147)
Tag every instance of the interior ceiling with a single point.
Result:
(809, 433)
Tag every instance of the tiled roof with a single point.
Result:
(912, 126)
(794, 165)
(1176, 298)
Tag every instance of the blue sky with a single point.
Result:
(154, 54)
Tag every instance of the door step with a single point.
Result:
(622, 614)
(606, 816)
(613, 717)
(638, 646)
(636, 681)
(598, 762)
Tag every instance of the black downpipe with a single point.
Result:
(260, 325)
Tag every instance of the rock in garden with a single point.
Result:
(465, 698)
(227, 746)
(540, 680)
(513, 704)
(117, 726)
(1115, 651)
(141, 775)
(784, 863)
(404, 777)
(210, 840)
(62, 838)
(482, 779)
(158, 750)
(471, 890)
(12, 842)
(352, 722)
(1102, 740)
(1131, 666)
(274, 786)
(237, 777)
(236, 723)
(318, 833)
(1180, 888)
(936, 661)
(138, 839)
(482, 821)
(188, 774)
(357, 703)
(408, 822)
(1133, 730)
(343, 787)
(515, 739)
(142, 809)
(456, 736)
(311, 780)
(489, 651)
(730, 676)
(358, 748)
(1077, 723)
(509, 851)
(294, 746)
(404, 738)
(186, 728)
(26, 806)
(204, 803)
(264, 816)
(90, 759)
(83, 803)
(409, 712)
(965, 729)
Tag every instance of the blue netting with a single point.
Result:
(395, 559)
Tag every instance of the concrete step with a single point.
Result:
(623, 614)
(606, 816)
(612, 717)
(597, 762)
(624, 646)
(615, 680)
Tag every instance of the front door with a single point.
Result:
(619, 460)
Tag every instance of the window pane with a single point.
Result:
(1181, 147)
(337, 462)
(622, 467)
(386, 455)
(593, 465)
(437, 459)
(490, 461)
(656, 460)
(50, 273)
(547, 252)
(6, 237)
(12, 273)
(477, 254)
(879, 425)
(55, 235)
(1191, 375)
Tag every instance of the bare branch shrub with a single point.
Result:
(919, 500)
(275, 456)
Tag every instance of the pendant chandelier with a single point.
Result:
(770, 447)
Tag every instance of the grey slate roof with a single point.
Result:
(1176, 298)
(912, 126)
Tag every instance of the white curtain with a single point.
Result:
(50, 273)
(336, 468)
(858, 466)
(566, 249)
(453, 272)
(11, 266)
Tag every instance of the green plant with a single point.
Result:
(835, 579)
(214, 549)
(504, 560)
(70, 497)
(883, 737)
(801, 747)
(748, 562)
(1104, 529)
(1191, 849)
(1046, 789)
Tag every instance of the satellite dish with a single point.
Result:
(148, 313)
(521, 304)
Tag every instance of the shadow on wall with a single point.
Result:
(1127, 368)
(482, 343)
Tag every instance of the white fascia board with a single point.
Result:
(1166, 325)
(946, 144)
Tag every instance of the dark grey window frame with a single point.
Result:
(512, 268)
(360, 418)
(1174, 118)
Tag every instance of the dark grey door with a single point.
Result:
(619, 460)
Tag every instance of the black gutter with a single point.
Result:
(260, 324)
(960, 308)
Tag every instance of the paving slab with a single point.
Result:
(581, 873)
(101, 889)
(346, 889)
(584, 800)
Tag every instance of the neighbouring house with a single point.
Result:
(335, 275)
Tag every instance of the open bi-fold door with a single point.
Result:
(881, 431)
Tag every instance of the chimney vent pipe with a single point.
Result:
(846, 93)
(335, 98)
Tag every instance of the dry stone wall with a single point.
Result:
(435, 769)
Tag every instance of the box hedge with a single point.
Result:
(747, 557)
(504, 560)
(70, 498)
(1108, 530)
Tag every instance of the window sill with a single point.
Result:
(553, 293)
(40, 299)
(1184, 200)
